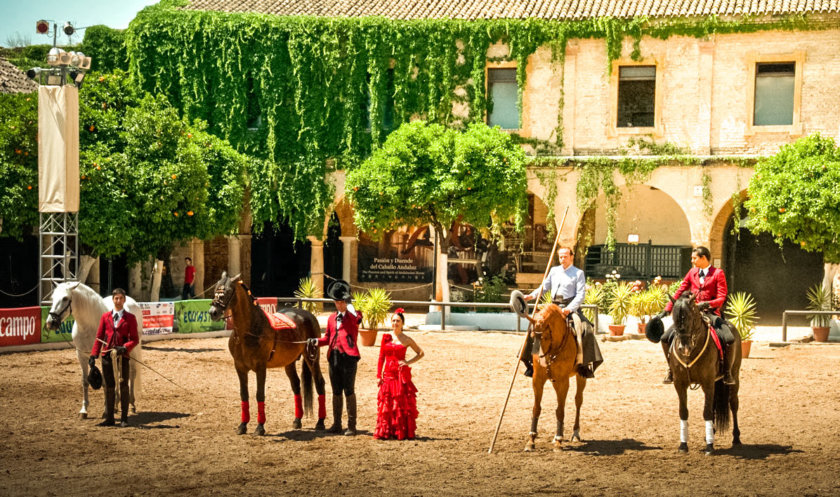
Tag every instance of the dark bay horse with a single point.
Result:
(256, 346)
(694, 360)
(556, 362)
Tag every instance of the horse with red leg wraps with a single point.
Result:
(256, 346)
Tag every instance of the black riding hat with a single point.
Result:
(339, 290)
(94, 378)
(654, 329)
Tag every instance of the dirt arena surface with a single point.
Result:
(185, 443)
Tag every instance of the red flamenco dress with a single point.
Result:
(396, 402)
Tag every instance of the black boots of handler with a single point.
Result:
(110, 398)
(338, 402)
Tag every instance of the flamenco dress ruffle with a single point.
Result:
(397, 398)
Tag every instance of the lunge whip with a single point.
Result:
(527, 333)
(147, 367)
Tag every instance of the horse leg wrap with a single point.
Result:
(298, 407)
(322, 406)
(684, 431)
(710, 432)
(534, 425)
(261, 412)
(246, 412)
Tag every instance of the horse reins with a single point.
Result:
(699, 355)
(549, 359)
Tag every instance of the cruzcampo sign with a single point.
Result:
(64, 333)
(193, 316)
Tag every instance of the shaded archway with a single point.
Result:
(652, 234)
(278, 262)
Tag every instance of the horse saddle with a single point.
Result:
(279, 321)
(716, 339)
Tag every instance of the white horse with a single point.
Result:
(87, 308)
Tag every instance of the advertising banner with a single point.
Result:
(158, 317)
(193, 316)
(64, 333)
(269, 304)
(402, 256)
(20, 326)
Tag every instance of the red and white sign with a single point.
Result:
(158, 317)
(20, 326)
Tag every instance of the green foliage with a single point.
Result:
(740, 311)
(307, 289)
(795, 195)
(622, 295)
(428, 174)
(18, 163)
(594, 296)
(493, 289)
(375, 305)
(106, 47)
(321, 86)
(819, 299)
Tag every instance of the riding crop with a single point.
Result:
(527, 333)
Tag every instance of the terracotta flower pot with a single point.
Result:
(616, 330)
(745, 348)
(641, 328)
(820, 333)
(367, 337)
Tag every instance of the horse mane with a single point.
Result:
(550, 314)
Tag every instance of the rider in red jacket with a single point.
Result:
(709, 284)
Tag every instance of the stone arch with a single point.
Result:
(717, 232)
(647, 210)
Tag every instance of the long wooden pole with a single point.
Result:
(522, 347)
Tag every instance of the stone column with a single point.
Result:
(316, 262)
(346, 256)
(234, 261)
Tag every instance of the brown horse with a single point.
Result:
(556, 362)
(256, 346)
(694, 361)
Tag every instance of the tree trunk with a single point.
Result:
(442, 276)
(831, 281)
(86, 265)
(157, 272)
(135, 282)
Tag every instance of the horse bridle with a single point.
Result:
(57, 315)
(218, 295)
(549, 359)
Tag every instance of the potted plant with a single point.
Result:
(374, 305)
(620, 307)
(740, 311)
(594, 296)
(307, 289)
(819, 299)
(639, 303)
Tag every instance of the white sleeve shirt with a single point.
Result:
(564, 284)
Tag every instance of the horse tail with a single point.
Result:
(307, 388)
(721, 406)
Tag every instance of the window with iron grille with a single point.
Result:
(636, 96)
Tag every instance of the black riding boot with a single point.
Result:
(338, 403)
(124, 399)
(351, 415)
(527, 357)
(110, 397)
(529, 367)
(726, 366)
(669, 378)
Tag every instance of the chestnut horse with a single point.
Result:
(694, 360)
(555, 362)
(256, 346)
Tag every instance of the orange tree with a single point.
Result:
(427, 174)
(795, 195)
(18, 163)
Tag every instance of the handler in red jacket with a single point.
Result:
(342, 354)
(117, 328)
(709, 284)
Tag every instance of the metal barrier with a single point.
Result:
(484, 305)
(801, 313)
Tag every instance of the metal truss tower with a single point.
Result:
(58, 243)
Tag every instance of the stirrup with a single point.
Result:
(669, 378)
(727, 379)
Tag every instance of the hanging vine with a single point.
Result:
(323, 87)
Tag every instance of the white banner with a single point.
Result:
(58, 149)
(158, 317)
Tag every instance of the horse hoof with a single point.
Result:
(576, 438)
(297, 424)
(82, 415)
(319, 426)
(736, 441)
(709, 450)
(133, 410)
(558, 446)
(243, 429)
(683, 447)
(530, 447)
(260, 431)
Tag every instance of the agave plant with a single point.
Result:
(307, 289)
(594, 296)
(620, 306)
(374, 305)
(819, 299)
(740, 311)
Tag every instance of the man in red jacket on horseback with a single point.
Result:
(118, 329)
(709, 284)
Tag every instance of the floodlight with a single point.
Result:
(52, 56)
(75, 60)
(77, 77)
(64, 58)
(34, 72)
(42, 27)
(85, 64)
(69, 29)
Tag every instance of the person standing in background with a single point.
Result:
(189, 279)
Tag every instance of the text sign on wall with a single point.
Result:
(64, 333)
(20, 326)
(158, 317)
(193, 316)
(393, 269)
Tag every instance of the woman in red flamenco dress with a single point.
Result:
(396, 402)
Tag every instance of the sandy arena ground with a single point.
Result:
(185, 443)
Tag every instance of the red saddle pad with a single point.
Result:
(280, 321)
(717, 341)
